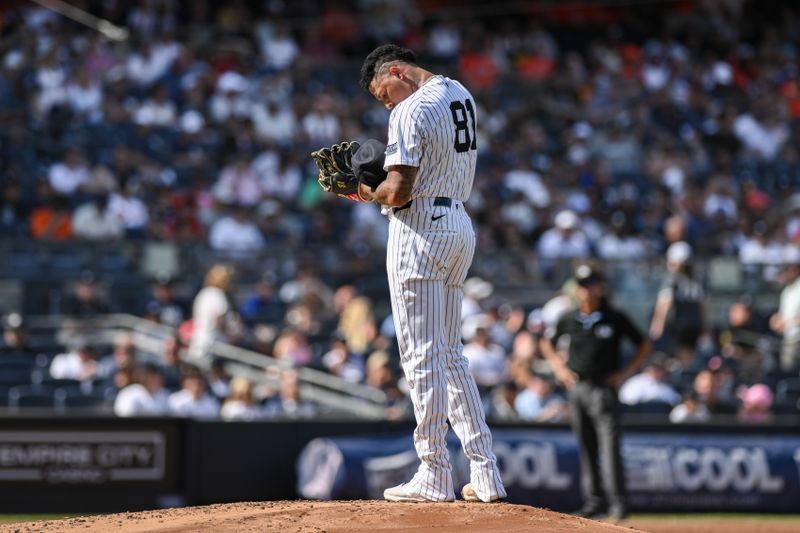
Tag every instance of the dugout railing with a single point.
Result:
(333, 395)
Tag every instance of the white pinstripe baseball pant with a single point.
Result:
(429, 253)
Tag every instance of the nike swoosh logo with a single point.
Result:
(437, 218)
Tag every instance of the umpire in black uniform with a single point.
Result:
(592, 373)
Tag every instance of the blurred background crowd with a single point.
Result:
(663, 132)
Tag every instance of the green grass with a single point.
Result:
(717, 516)
(12, 518)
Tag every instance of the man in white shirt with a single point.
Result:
(487, 360)
(193, 399)
(147, 398)
(235, 236)
(68, 175)
(130, 210)
(651, 385)
(94, 222)
(565, 240)
(787, 320)
(79, 364)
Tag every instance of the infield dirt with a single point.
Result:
(329, 517)
(368, 516)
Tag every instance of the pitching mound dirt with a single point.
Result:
(330, 517)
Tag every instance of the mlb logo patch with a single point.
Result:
(603, 331)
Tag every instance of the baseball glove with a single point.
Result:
(336, 171)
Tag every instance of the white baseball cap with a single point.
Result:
(478, 288)
(679, 252)
(566, 219)
(791, 255)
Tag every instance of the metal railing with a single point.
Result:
(331, 392)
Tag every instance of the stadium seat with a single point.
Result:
(787, 393)
(725, 274)
(67, 261)
(21, 261)
(15, 376)
(104, 388)
(649, 408)
(16, 361)
(30, 396)
(56, 383)
(113, 262)
(66, 398)
(684, 380)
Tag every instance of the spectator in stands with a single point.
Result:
(85, 299)
(123, 354)
(263, 305)
(651, 385)
(15, 337)
(524, 356)
(93, 221)
(621, 243)
(235, 236)
(15, 208)
(522, 178)
(341, 362)
(52, 221)
(193, 400)
(240, 404)
(230, 99)
(158, 110)
(171, 309)
(80, 363)
(67, 176)
(289, 403)
(539, 401)
(219, 380)
(761, 252)
(476, 291)
(356, 319)
(172, 352)
(128, 207)
(321, 125)
(786, 321)
(755, 404)
(211, 309)
(563, 241)
(500, 405)
(293, 346)
(690, 410)
(85, 96)
(380, 375)
(238, 184)
(487, 360)
(306, 287)
(679, 152)
(275, 122)
(745, 340)
(681, 313)
(707, 389)
(146, 397)
(109, 388)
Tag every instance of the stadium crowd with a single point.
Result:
(606, 134)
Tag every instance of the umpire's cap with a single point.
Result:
(368, 162)
(588, 275)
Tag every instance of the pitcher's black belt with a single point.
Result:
(438, 201)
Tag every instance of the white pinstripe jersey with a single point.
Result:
(434, 130)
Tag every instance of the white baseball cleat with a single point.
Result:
(469, 495)
(403, 493)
